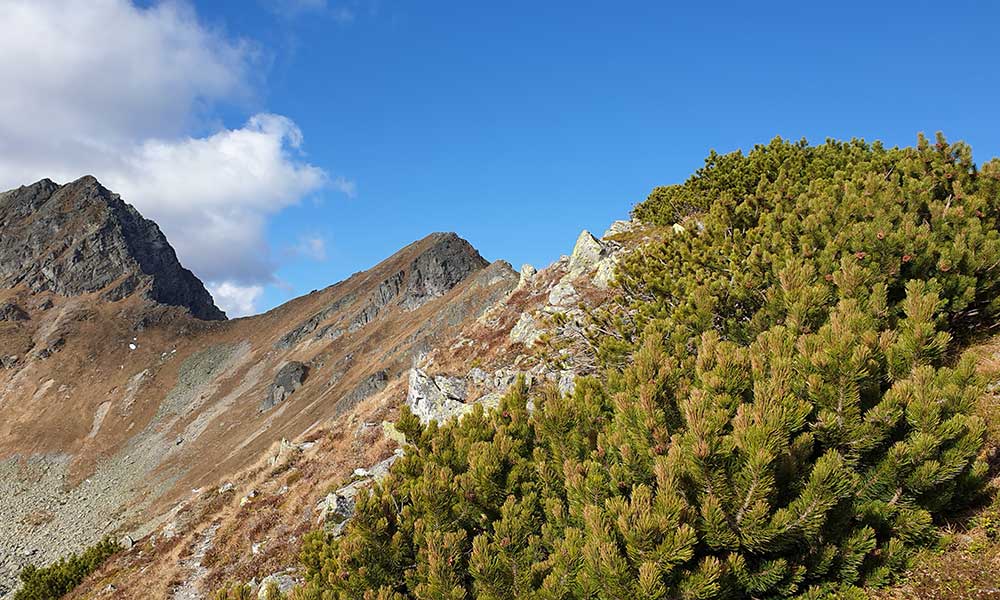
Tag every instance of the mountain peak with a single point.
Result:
(447, 260)
(81, 238)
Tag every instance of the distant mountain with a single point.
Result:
(80, 238)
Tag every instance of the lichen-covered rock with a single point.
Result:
(526, 331)
(452, 387)
(390, 432)
(587, 252)
(620, 227)
(429, 402)
(528, 273)
(478, 376)
(103, 244)
(605, 272)
(563, 295)
(286, 382)
(283, 582)
(338, 507)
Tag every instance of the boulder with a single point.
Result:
(563, 295)
(528, 273)
(286, 382)
(526, 331)
(430, 402)
(605, 272)
(586, 254)
(12, 312)
(620, 227)
(452, 387)
(283, 582)
(338, 507)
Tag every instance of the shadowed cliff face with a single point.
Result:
(80, 238)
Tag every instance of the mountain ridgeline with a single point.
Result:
(770, 383)
(123, 387)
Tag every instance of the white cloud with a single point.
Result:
(125, 106)
(217, 193)
(291, 9)
(346, 186)
(236, 300)
(313, 247)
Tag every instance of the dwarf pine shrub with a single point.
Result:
(59, 578)
(783, 413)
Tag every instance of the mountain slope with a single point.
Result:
(114, 404)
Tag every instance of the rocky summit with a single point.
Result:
(80, 238)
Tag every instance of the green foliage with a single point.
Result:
(236, 591)
(782, 414)
(59, 578)
(242, 591)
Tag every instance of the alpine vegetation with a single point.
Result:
(782, 408)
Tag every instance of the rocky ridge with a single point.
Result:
(115, 405)
(80, 238)
(175, 426)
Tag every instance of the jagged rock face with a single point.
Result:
(80, 238)
(12, 312)
(368, 386)
(286, 382)
(432, 274)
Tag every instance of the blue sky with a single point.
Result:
(517, 124)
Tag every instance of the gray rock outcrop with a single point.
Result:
(337, 507)
(587, 252)
(309, 325)
(526, 331)
(435, 398)
(286, 382)
(80, 238)
(12, 312)
(436, 271)
(367, 387)
(382, 296)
